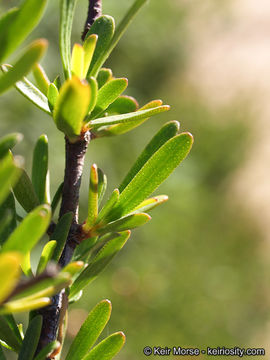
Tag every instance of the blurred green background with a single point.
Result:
(195, 275)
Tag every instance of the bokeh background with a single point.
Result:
(198, 274)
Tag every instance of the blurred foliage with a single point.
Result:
(194, 276)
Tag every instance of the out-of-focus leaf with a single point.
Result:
(102, 185)
(89, 46)
(112, 201)
(17, 25)
(122, 105)
(9, 273)
(46, 256)
(151, 203)
(14, 327)
(41, 78)
(31, 339)
(153, 173)
(67, 8)
(104, 75)
(103, 27)
(73, 268)
(57, 82)
(60, 234)
(107, 348)
(104, 256)
(57, 197)
(9, 174)
(25, 192)
(47, 350)
(8, 336)
(35, 223)
(167, 131)
(28, 90)
(71, 107)
(7, 142)
(92, 198)
(134, 116)
(119, 31)
(24, 65)
(22, 306)
(82, 250)
(122, 128)
(8, 218)
(40, 175)
(52, 95)
(2, 356)
(126, 223)
(77, 61)
(94, 93)
(90, 330)
(108, 94)
(26, 265)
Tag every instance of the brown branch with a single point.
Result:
(94, 11)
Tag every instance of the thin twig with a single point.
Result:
(94, 11)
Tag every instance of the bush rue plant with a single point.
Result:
(86, 104)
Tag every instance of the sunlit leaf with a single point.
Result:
(101, 260)
(26, 265)
(94, 94)
(41, 78)
(89, 46)
(102, 185)
(25, 192)
(52, 95)
(9, 273)
(122, 105)
(77, 61)
(92, 198)
(151, 203)
(31, 339)
(104, 75)
(60, 234)
(7, 142)
(46, 255)
(90, 330)
(111, 202)
(73, 268)
(22, 306)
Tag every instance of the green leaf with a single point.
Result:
(122, 105)
(126, 223)
(22, 305)
(8, 335)
(31, 339)
(153, 173)
(109, 46)
(67, 8)
(28, 90)
(26, 265)
(35, 223)
(9, 273)
(52, 95)
(90, 330)
(107, 348)
(92, 198)
(9, 174)
(111, 202)
(151, 203)
(104, 256)
(24, 65)
(57, 197)
(14, 327)
(46, 255)
(83, 249)
(8, 218)
(18, 25)
(2, 356)
(94, 94)
(134, 116)
(47, 350)
(40, 175)
(41, 78)
(167, 131)
(108, 94)
(77, 61)
(7, 142)
(25, 192)
(57, 82)
(73, 268)
(122, 128)
(71, 107)
(104, 75)
(60, 234)
(103, 27)
(102, 185)
(89, 46)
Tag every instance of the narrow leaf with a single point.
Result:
(52, 95)
(103, 27)
(104, 256)
(167, 131)
(9, 273)
(41, 78)
(46, 255)
(89, 46)
(71, 107)
(94, 94)
(77, 61)
(60, 234)
(22, 306)
(9, 174)
(151, 203)
(26, 265)
(73, 268)
(102, 185)
(92, 198)
(7, 142)
(104, 75)
(8, 336)
(8, 216)
(47, 350)
(35, 223)
(40, 177)
(90, 330)
(107, 348)
(57, 197)
(122, 105)
(134, 116)
(14, 327)
(108, 94)
(112, 201)
(25, 192)
(31, 339)
(82, 250)
(153, 173)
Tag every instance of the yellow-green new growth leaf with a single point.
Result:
(152, 174)
(151, 203)
(9, 273)
(46, 256)
(104, 256)
(71, 107)
(107, 348)
(89, 46)
(35, 224)
(94, 94)
(77, 61)
(52, 95)
(90, 330)
(41, 78)
(22, 305)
